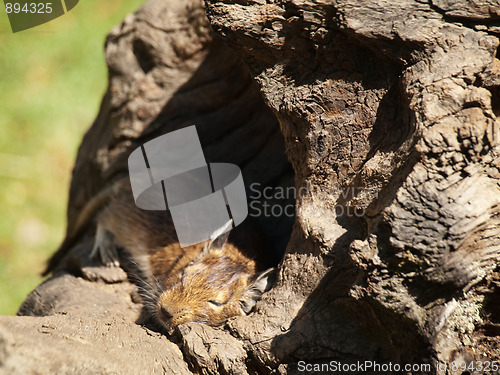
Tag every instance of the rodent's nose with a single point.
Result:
(165, 314)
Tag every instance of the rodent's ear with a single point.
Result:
(219, 242)
(219, 239)
(220, 236)
(257, 285)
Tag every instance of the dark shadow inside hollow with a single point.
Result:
(235, 126)
(495, 99)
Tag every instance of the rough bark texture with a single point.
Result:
(389, 117)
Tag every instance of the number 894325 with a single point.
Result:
(28, 8)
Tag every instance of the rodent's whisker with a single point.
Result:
(157, 282)
(147, 293)
(147, 271)
(146, 290)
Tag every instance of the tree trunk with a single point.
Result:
(388, 111)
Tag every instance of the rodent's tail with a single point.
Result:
(84, 218)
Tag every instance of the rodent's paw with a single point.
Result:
(104, 248)
(110, 275)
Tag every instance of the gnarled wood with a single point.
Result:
(388, 111)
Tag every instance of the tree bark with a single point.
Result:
(388, 115)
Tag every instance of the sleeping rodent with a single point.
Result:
(206, 283)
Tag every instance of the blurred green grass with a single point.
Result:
(52, 78)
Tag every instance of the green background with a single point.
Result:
(52, 78)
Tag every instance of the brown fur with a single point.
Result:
(208, 290)
(192, 284)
